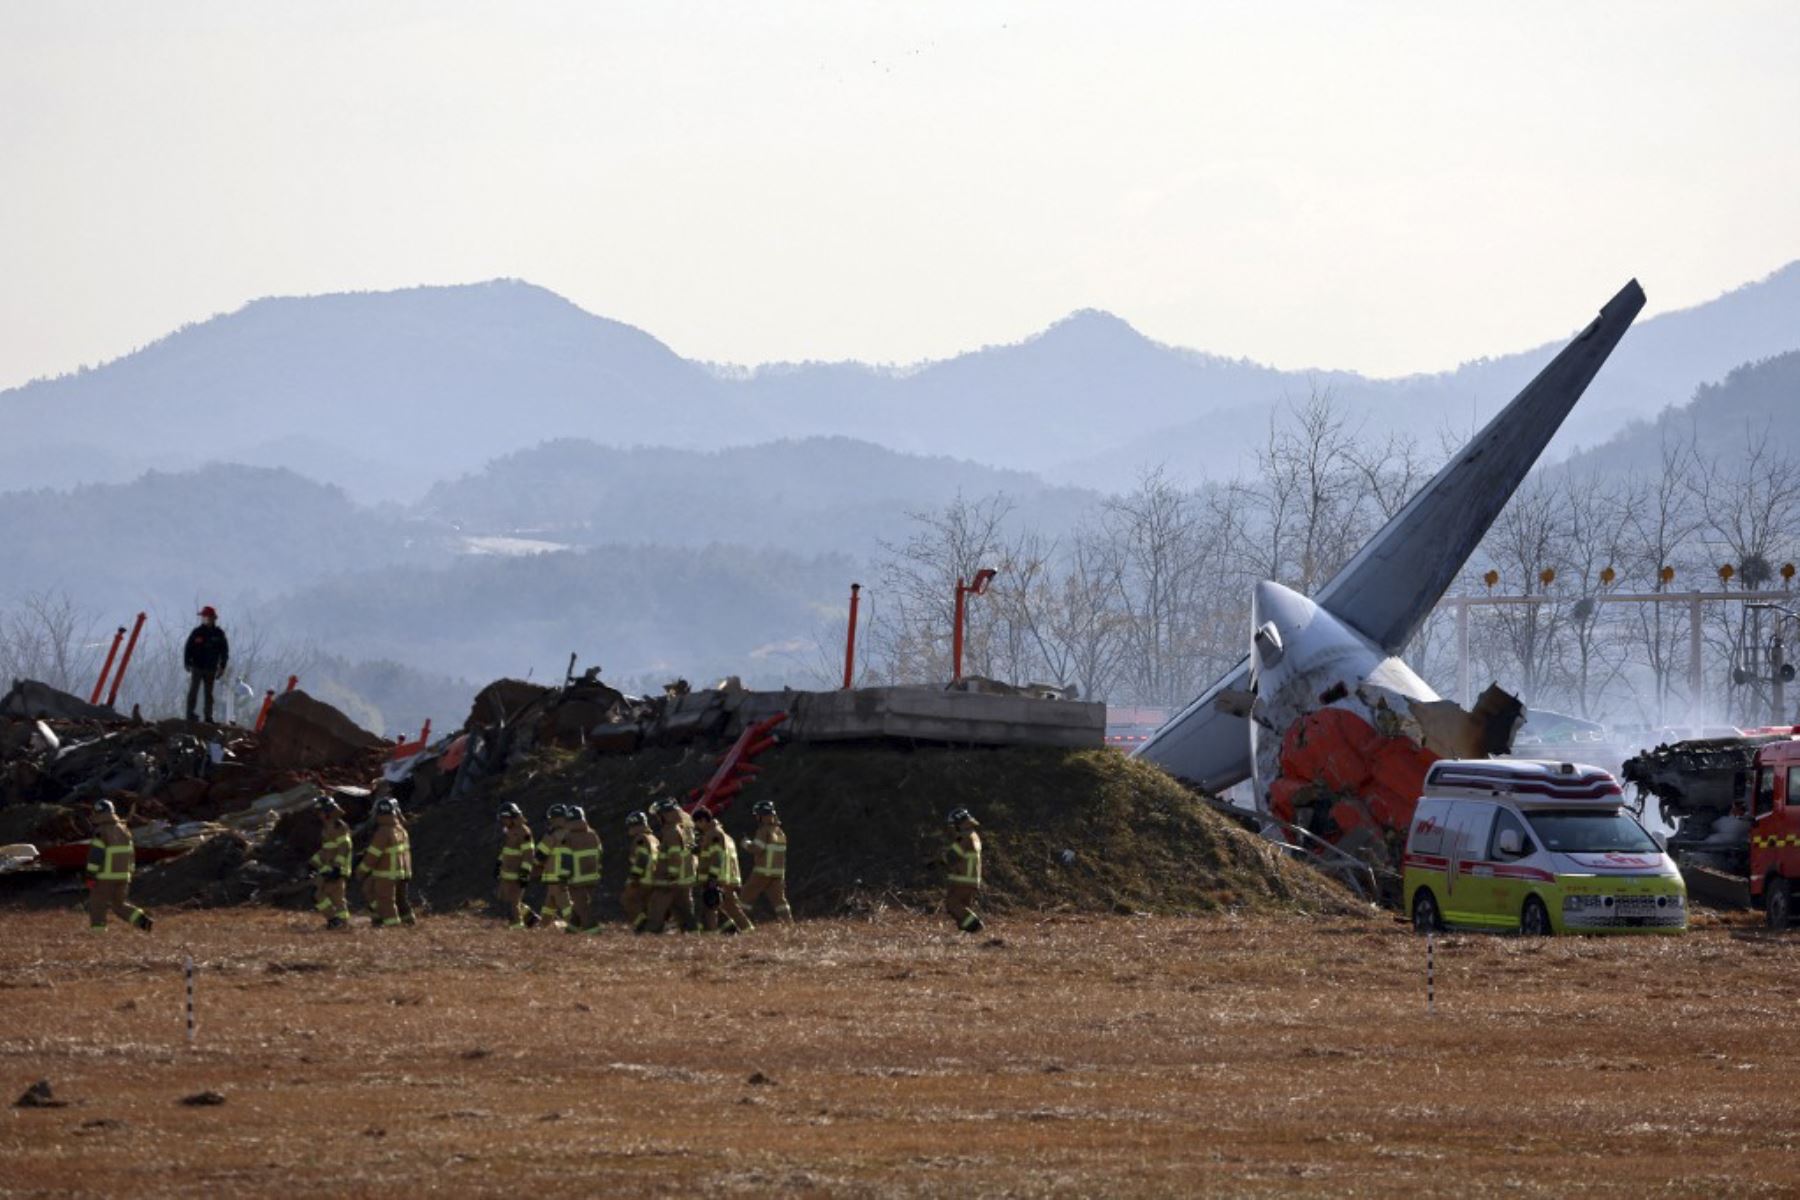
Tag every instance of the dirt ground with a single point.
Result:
(1064, 1055)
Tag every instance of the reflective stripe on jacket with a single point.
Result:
(672, 861)
(770, 855)
(109, 863)
(719, 862)
(390, 861)
(583, 859)
(515, 858)
(645, 853)
(552, 859)
(965, 860)
(336, 850)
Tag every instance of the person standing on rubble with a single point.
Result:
(111, 858)
(720, 877)
(673, 890)
(963, 859)
(205, 656)
(583, 850)
(386, 864)
(331, 865)
(513, 869)
(640, 871)
(767, 848)
(552, 867)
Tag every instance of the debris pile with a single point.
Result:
(212, 797)
(221, 815)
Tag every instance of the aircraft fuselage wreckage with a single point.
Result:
(1333, 728)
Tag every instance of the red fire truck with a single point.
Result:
(1775, 831)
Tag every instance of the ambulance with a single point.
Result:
(1537, 848)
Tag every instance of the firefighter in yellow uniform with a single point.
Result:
(640, 871)
(386, 864)
(673, 889)
(332, 864)
(513, 868)
(767, 848)
(553, 867)
(111, 858)
(583, 847)
(403, 888)
(720, 877)
(963, 858)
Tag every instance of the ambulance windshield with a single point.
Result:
(1576, 831)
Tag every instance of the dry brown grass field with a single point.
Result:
(889, 1056)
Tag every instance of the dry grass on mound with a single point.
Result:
(867, 826)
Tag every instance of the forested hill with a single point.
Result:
(806, 495)
(1755, 408)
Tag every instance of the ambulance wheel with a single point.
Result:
(1534, 921)
(1778, 904)
(1425, 912)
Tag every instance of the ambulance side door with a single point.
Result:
(1509, 880)
(1467, 901)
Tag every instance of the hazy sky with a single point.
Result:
(1308, 184)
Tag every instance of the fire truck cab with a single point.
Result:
(1775, 831)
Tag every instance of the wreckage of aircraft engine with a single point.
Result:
(1342, 746)
(1335, 730)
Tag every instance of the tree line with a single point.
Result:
(1148, 599)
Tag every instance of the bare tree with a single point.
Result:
(1750, 506)
(1592, 540)
(1309, 490)
(1390, 473)
(47, 637)
(1527, 539)
(918, 579)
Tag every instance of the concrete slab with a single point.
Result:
(927, 714)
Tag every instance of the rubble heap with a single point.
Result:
(224, 816)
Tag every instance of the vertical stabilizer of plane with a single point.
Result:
(1386, 591)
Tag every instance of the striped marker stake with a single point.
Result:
(1431, 976)
(192, 1025)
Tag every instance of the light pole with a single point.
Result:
(1781, 672)
(982, 578)
(850, 639)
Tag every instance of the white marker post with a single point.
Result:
(1431, 974)
(192, 1025)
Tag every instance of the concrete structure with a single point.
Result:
(913, 714)
(1385, 592)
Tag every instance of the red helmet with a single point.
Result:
(210, 611)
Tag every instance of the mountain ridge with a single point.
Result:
(386, 393)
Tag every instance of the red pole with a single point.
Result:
(263, 714)
(849, 640)
(106, 667)
(293, 682)
(956, 633)
(425, 733)
(130, 645)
